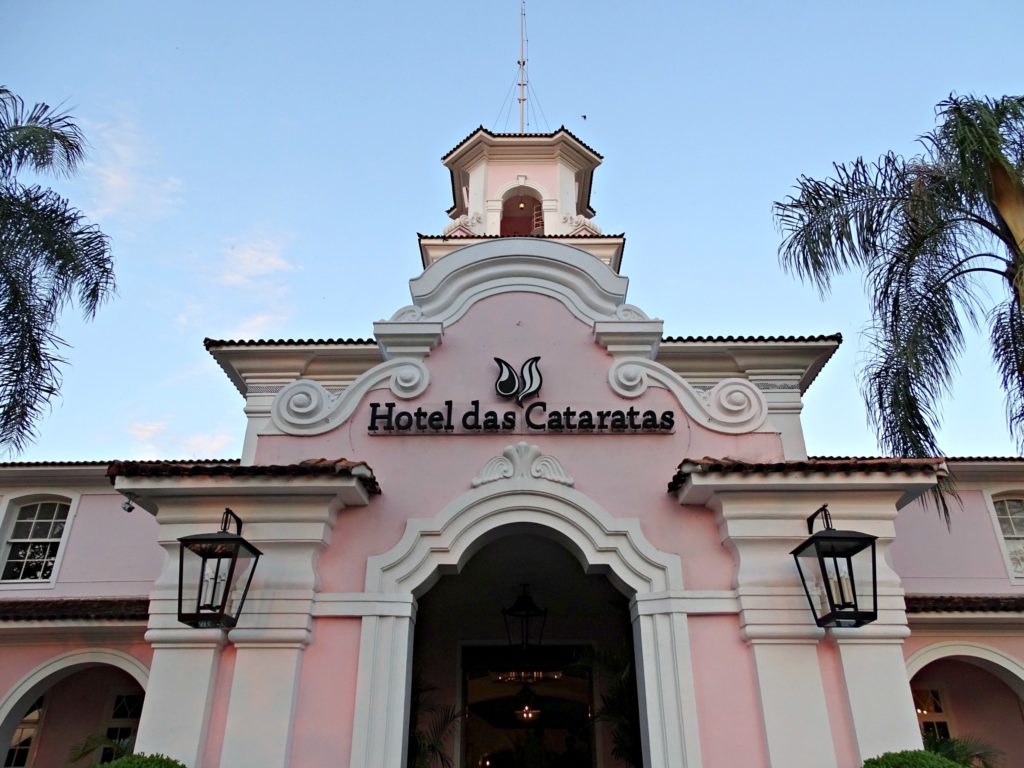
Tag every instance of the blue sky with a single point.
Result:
(262, 169)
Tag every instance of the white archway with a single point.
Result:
(52, 671)
(525, 494)
(997, 663)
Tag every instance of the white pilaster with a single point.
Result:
(263, 690)
(879, 691)
(797, 730)
(664, 672)
(181, 689)
(379, 732)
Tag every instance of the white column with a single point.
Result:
(263, 690)
(664, 674)
(797, 729)
(180, 692)
(881, 703)
(383, 684)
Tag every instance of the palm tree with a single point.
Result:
(928, 232)
(49, 257)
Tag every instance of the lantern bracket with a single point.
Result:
(826, 519)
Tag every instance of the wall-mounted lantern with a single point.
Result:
(209, 565)
(836, 580)
(524, 621)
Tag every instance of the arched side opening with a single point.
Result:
(614, 547)
(80, 695)
(967, 690)
(522, 213)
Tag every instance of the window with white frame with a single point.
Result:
(19, 753)
(34, 536)
(1010, 514)
(123, 726)
(932, 716)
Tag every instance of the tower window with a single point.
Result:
(521, 216)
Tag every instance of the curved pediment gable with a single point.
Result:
(585, 285)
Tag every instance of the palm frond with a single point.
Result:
(39, 138)
(924, 231)
(51, 256)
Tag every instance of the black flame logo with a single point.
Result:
(520, 386)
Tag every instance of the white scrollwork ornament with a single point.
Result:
(305, 407)
(733, 406)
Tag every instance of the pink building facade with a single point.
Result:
(518, 423)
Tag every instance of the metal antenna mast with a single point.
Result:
(522, 67)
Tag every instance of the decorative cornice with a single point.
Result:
(522, 460)
(732, 406)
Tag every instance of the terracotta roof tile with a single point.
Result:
(55, 609)
(492, 134)
(106, 463)
(1009, 459)
(213, 343)
(308, 468)
(965, 603)
(836, 337)
(849, 466)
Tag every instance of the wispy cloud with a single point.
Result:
(257, 325)
(128, 184)
(206, 446)
(146, 430)
(251, 260)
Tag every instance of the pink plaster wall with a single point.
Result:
(542, 175)
(326, 701)
(106, 552)
(965, 558)
(110, 547)
(728, 702)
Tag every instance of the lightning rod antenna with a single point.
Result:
(522, 67)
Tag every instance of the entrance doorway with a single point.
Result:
(511, 708)
(525, 712)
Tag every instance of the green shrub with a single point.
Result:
(912, 758)
(146, 761)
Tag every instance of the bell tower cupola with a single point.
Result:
(522, 185)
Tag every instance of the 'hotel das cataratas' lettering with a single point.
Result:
(388, 418)
(537, 417)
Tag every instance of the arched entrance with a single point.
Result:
(566, 697)
(526, 491)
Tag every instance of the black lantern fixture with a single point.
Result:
(210, 564)
(840, 560)
(524, 621)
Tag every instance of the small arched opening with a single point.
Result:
(84, 704)
(969, 692)
(522, 213)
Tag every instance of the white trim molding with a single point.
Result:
(525, 502)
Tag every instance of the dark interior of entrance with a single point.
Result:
(568, 698)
